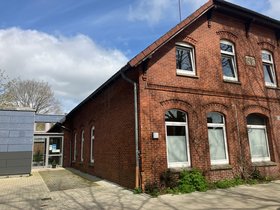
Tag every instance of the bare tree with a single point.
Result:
(37, 95)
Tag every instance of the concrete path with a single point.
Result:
(32, 193)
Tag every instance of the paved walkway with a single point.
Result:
(33, 193)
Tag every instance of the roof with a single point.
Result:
(218, 5)
(48, 118)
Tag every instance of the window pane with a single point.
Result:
(268, 77)
(226, 47)
(255, 120)
(227, 65)
(40, 126)
(266, 56)
(258, 142)
(217, 143)
(214, 117)
(183, 59)
(174, 115)
(176, 144)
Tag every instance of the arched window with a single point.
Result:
(92, 144)
(75, 147)
(257, 133)
(217, 138)
(82, 145)
(268, 68)
(177, 141)
(228, 60)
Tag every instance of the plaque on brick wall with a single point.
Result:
(278, 117)
(250, 61)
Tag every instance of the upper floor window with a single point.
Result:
(185, 62)
(217, 138)
(228, 61)
(268, 68)
(92, 144)
(257, 133)
(177, 141)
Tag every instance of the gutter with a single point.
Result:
(137, 171)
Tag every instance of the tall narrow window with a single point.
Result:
(258, 141)
(217, 138)
(268, 68)
(92, 145)
(228, 61)
(185, 62)
(177, 139)
(82, 145)
(75, 147)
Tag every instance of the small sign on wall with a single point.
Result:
(250, 61)
(278, 117)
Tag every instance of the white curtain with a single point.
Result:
(217, 143)
(177, 149)
(258, 142)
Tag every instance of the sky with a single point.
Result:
(76, 45)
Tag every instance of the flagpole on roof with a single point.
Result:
(180, 10)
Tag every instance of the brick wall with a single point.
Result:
(111, 113)
(161, 89)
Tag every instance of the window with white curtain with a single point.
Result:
(177, 141)
(257, 133)
(92, 144)
(217, 138)
(82, 145)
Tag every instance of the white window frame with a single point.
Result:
(91, 144)
(183, 72)
(75, 147)
(271, 64)
(82, 145)
(232, 58)
(178, 164)
(259, 159)
(223, 126)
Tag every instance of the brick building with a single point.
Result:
(205, 95)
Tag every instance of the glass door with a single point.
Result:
(39, 151)
(55, 151)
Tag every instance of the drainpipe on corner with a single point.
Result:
(137, 173)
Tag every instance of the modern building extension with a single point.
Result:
(205, 95)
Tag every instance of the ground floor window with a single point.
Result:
(258, 140)
(177, 139)
(217, 138)
(92, 144)
(82, 146)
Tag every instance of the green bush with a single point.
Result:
(191, 181)
(227, 183)
(152, 188)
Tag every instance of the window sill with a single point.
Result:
(264, 163)
(179, 169)
(272, 87)
(221, 167)
(187, 75)
(232, 82)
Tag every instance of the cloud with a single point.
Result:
(153, 11)
(273, 10)
(73, 66)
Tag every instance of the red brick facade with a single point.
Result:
(160, 89)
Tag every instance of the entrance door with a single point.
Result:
(55, 151)
(39, 151)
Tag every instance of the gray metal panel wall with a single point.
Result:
(48, 118)
(16, 141)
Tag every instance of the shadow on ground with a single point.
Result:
(57, 180)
